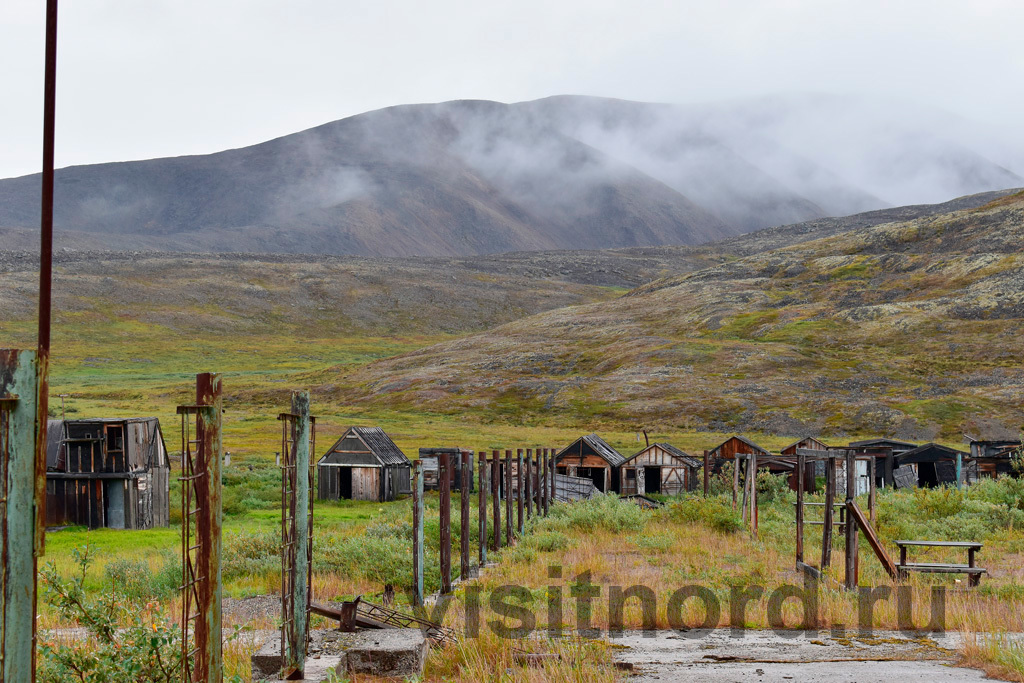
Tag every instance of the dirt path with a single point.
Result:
(764, 657)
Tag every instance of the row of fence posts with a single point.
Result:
(531, 487)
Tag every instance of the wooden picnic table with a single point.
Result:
(973, 571)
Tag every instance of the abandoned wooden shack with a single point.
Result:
(993, 458)
(932, 465)
(737, 445)
(659, 468)
(430, 456)
(364, 464)
(107, 472)
(884, 451)
(592, 458)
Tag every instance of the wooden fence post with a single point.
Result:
(482, 512)
(872, 490)
(520, 527)
(528, 476)
(830, 499)
(444, 490)
(851, 521)
(736, 482)
(508, 497)
(801, 462)
(546, 488)
(753, 495)
(465, 495)
(707, 474)
(417, 533)
(495, 499)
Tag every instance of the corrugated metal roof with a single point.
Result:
(687, 459)
(379, 443)
(601, 447)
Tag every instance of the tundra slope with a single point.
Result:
(909, 328)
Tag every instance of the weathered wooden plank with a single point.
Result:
(856, 517)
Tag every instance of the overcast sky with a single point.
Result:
(149, 78)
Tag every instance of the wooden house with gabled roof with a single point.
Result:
(659, 468)
(592, 458)
(737, 445)
(364, 464)
(932, 465)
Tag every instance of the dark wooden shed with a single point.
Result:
(932, 464)
(590, 457)
(107, 472)
(364, 464)
(659, 468)
(813, 469)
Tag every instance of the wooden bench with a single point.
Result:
(973, 571)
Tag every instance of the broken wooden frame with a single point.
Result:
(854, 519)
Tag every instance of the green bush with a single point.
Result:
(715, 511)
(600, 512)
(135, 578)
(547, 541)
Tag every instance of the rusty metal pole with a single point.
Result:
(45, 287)
(520, 526)
(18, 400)
(482, 503)
(295, 588)
(508, 498)
(465, 495)
(495, 499)
(208, 660)
(444, 483)
(417, 533)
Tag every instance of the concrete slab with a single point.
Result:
(388, 652)
(808, 657)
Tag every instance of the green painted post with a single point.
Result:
(209, 641)
(18, 399)
(959, 469)
(417, 533)
(297, 636)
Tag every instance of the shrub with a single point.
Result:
(137, 580)
(715, 511)
(129, 640)
(547, 541)
(601, 512)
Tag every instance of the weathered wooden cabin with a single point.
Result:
(109, 472)
(884, 451)
(659, 468)
(993, 458)
(592, 458)
(431, 468)
(737, 445)
(932, 465)
(364, 464)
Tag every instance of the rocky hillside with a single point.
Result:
(473, 177)
(909, 328)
